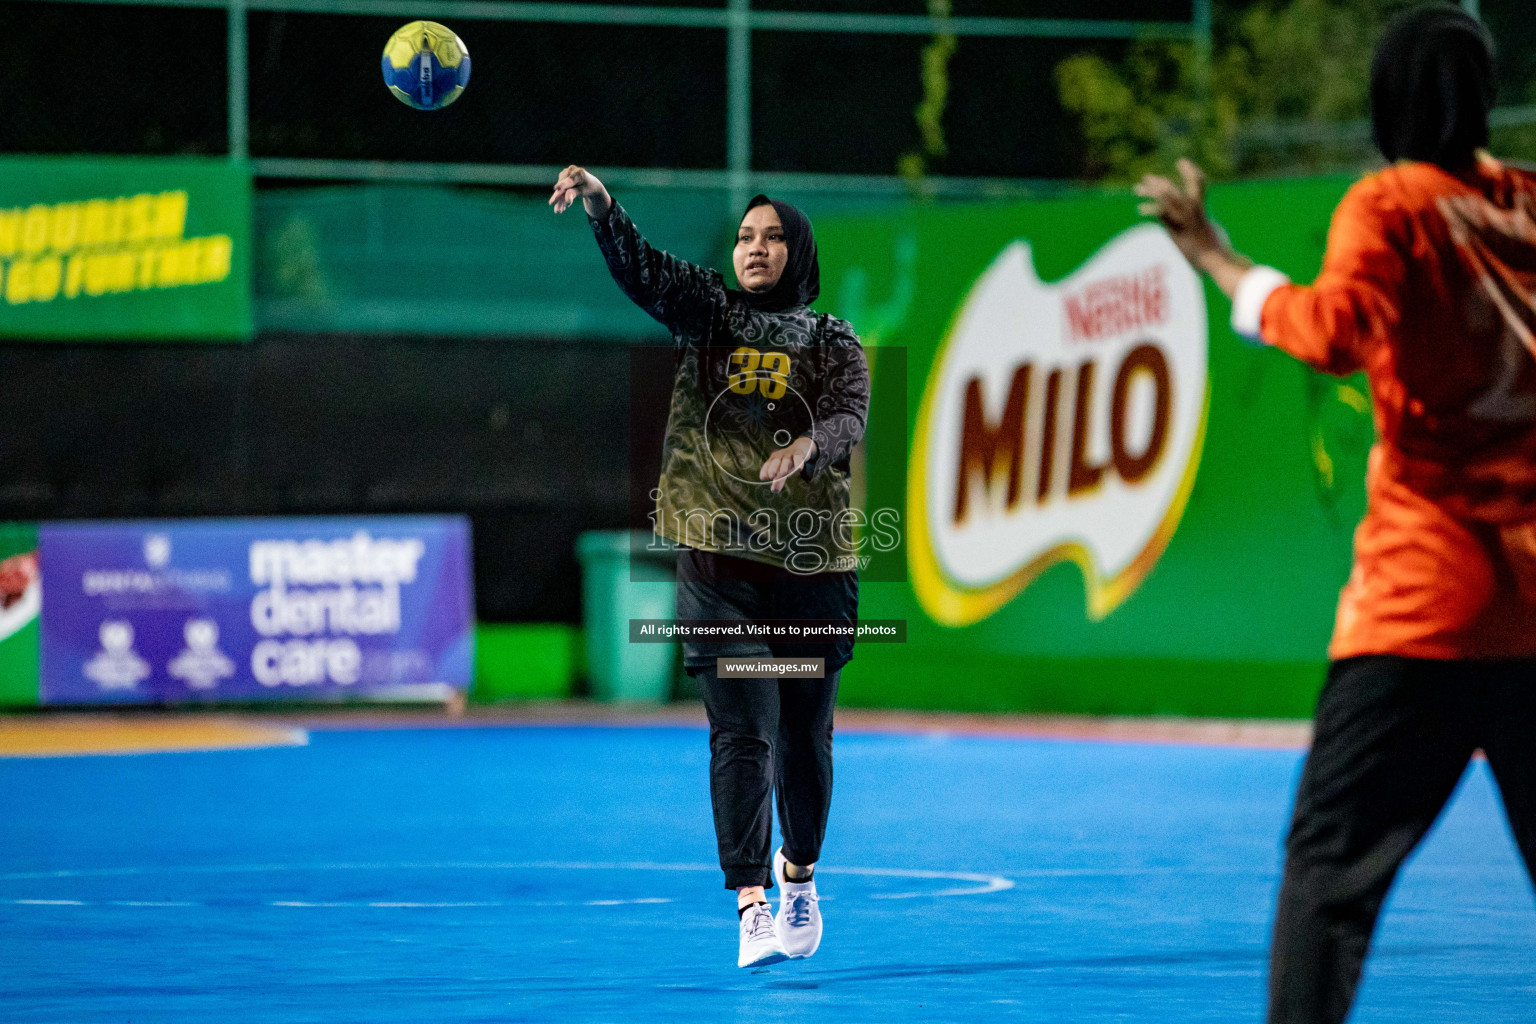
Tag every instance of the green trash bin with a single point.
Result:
(618, 669)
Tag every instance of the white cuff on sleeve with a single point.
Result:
(1248, 304)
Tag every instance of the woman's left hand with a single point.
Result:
(786, 462)
(1180, 206)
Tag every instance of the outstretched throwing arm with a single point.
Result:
(676, 293)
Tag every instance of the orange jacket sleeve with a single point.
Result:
(1356, 300)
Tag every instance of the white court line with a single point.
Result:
(222, 869)
(981, 883)
(378, 904)
(988, 883)
(381, 903)
(639, 865)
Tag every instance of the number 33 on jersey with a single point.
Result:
(766, 373)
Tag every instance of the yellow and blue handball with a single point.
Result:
(426, 66)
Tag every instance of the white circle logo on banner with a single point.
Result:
(1061, 422)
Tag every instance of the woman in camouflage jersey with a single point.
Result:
(769, 399)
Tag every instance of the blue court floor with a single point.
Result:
(565, 874)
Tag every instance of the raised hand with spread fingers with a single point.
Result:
(579, 182)
(1180, 206)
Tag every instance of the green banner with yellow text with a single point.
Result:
(124, 248)
(1111, 503)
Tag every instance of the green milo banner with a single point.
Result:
(1111, 504)
(124, 248)
(21, 600)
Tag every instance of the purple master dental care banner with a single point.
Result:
(254, 609)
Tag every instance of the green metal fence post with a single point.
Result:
(1201, 31)
(239, 125)
(739, 100)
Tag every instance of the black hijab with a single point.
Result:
(801, 281)
(1432, 85)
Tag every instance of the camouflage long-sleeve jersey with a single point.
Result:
(748, 383)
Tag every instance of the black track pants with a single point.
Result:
(767, 736)
(1393, 736)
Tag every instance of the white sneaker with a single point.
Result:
(799, 917)
(760, 943)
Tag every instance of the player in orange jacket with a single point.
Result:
(1429, 286)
